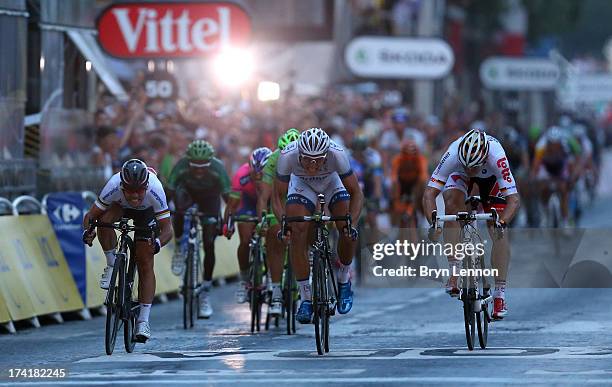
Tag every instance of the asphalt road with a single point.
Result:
(392, 336)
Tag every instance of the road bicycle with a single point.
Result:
(257, 288)
(324, 289)
(475, 291)
(121, 306)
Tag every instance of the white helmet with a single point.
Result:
(555, 134)
(473, 148)
(313, 142)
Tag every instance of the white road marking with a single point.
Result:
(342, 380)
(365, 354)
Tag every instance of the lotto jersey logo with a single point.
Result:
(502, 164)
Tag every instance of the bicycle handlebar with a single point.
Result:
(317, 219)
(465, 216)
(121, 226)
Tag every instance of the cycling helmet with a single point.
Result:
(565, 121)
(200, 150)
(359, 143)
(473, 148)
(313, 142)
(289, 136)
(259, 158)
(134, 174)
(555, 134)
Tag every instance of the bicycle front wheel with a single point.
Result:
(113, 310)
(289, 296)
(131, 306)
(255, 292)
(188, 291)
(320, 304)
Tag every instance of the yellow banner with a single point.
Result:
(226, 254)
(45, 250)
(4, 312)
(166, 282)
(96, 262)
(23, 282)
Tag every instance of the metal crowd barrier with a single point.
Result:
(17, 177)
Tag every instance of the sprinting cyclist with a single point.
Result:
(314, 164)
(274, 247)
(135, 193)
(199, 178)
(243, 201)
(476, 159)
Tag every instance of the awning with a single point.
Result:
(87, 44)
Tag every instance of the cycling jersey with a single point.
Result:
(450, 173)
(269, 171)
(214, 183)
(367, 170)
(243, 188)
(409, 169)
(303, 188)
(155, 197)
(336, 164)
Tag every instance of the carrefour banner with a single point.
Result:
(65, 211)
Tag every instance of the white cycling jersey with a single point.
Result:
(496, 165)
(336, 164)
(155, 196)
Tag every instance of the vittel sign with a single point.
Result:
(170, 30)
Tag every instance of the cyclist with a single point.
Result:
(136, 193)
(315, 164)
(274, 247)
(199, 178)
(408, 177)
(243, 201)
(366, 162)
(554, 160)
(476, 159)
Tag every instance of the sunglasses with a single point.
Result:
(199, 165)
(312, 160)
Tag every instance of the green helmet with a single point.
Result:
(200, 150)
(290, 135)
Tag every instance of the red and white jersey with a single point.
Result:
(496, 165)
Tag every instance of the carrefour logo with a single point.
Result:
(67, 213)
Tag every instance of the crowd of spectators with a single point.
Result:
(158, 131)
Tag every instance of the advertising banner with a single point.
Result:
(171, 30)
(500, 73)
(399, 58)
(65, 212)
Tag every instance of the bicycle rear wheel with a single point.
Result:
(320, 304)
(469, 317)
(113, 309)
(482, 322)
